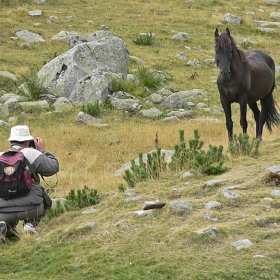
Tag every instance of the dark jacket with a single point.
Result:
(45, 164)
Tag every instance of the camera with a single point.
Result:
(32, 144)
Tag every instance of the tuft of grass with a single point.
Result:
(150, 78)
(144, 39)
(92, 109)
(32, 86)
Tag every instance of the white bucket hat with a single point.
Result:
(20, 133)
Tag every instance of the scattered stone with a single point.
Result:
(269, 30)
(87, 119)
(186, 174)
(181, 56)
(171, 119)
(258, 256)
(62, 103)
(181, 36)
(156, 98)
(229, 194)
(207, 216)
(181, 206)
(29, 36)
(182, 113)
(273, 2)
(219, 182)
(273, 172)
(153, 205)
(8, 75)
(276, 192)
(89, 211)
(213, 204)
(208, 231)
(130, 192)
(35, 13)
(122, 224)
(193, 62)
(230, 18)
(144, 213)
(151, 113)
(132, 199)
(245, 243)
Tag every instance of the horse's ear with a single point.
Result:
(216, 34)
(227, 30)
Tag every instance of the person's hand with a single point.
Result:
(39, 144)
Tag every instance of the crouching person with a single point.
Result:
(34, 205)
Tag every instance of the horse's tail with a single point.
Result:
(273, 117)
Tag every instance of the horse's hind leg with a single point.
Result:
(243, 112)
(264, 114)
(256, 112)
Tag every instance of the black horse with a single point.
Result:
(245, 78)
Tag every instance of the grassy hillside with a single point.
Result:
(122, 245)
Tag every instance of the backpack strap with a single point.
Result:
(31, 168)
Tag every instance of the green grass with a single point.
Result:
(166, 245)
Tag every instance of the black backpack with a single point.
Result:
(14, 179)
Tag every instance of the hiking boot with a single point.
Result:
(3, 231)
(29, 228)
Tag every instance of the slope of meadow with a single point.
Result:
(122, 245)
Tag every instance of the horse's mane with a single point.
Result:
(225, 42)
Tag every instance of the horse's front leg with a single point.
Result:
(229, 123)
(243, 112)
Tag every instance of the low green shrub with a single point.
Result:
(92, 109)
(152, 169)
(123, 85)
(81, 200)
(55, 211)
(32, 85)
(144, 39)
(242, 146)
(74, 201)
(207, 162)
(150, 78)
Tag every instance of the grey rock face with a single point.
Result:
(79, 74)
(29, 36)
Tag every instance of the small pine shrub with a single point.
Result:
(207, 162)
(144, 39)
(210, 162)
(242, 146)
(74, 202)
(80, 200)
(55, 211)
(121, 187)
(92, 109)
(152, 169)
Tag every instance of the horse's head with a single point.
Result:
(224, 48)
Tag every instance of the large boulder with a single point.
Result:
(79, 74)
